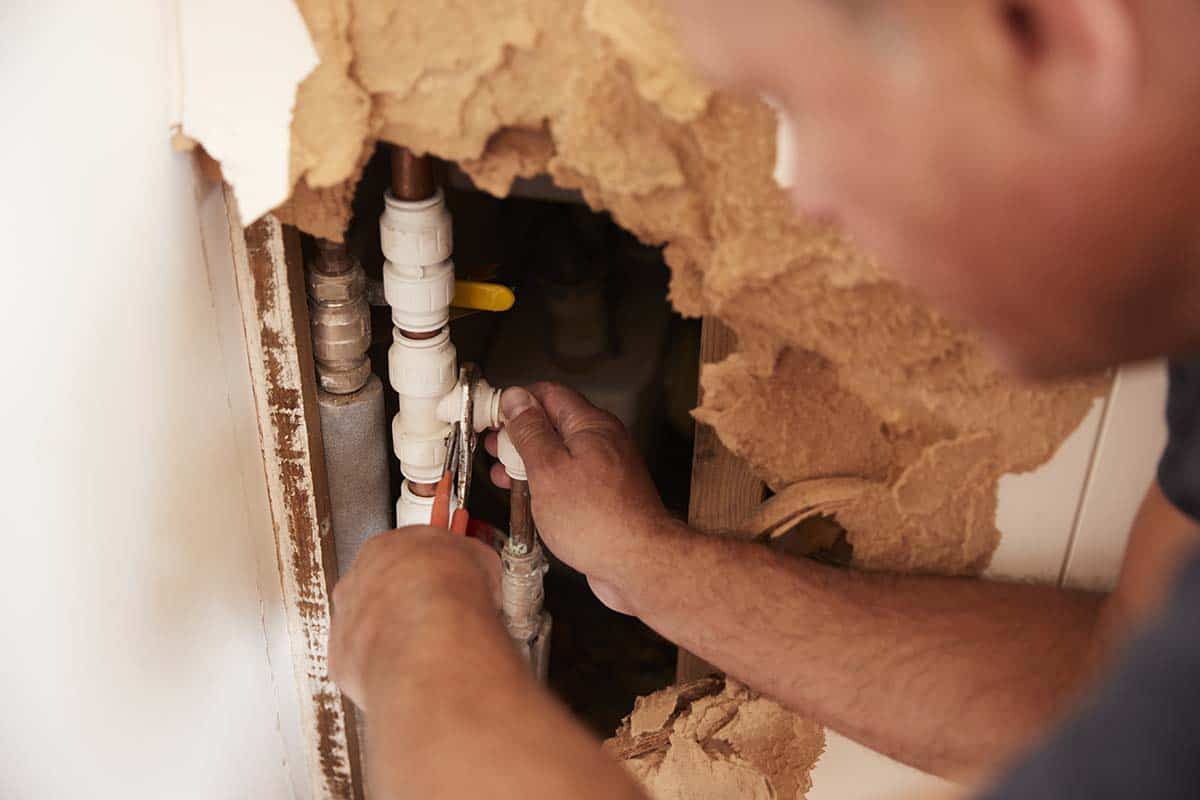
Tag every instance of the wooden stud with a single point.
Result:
(270, 287)
(724, 490)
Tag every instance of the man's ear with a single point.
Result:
(1082, 56)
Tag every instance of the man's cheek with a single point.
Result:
(836, 172)
(813, 187)
(713, 35)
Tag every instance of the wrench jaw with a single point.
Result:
(468, 438)
(460, 448)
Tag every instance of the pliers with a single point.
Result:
(455, 485)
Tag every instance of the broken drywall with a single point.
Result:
(235, 85)
(840, 373)
(714, 739)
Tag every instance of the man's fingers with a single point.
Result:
(500, 477)
(571, 413)
(531, 431)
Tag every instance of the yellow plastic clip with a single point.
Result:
(479, 296)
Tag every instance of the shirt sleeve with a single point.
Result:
(1179, 469)
(1139, 734)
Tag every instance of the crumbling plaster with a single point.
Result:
(841, 372)
(714, 739)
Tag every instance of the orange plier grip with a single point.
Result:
(440, 518)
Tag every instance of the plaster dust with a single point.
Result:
(716, 740)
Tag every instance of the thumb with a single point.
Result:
(529, 429)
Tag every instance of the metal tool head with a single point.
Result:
(452, 446)
(464, 433)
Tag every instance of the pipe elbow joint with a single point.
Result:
(514, 465)
(485, 402)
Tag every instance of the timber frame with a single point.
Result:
(724, 492)
(269, 279)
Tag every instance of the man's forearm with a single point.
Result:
(473, 723)
(945, 674)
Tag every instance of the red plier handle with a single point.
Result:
(441, 508)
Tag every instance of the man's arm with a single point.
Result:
(949, 675)
(945, 674)
(1160, 543)
(452, 711)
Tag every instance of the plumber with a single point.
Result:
(1042, 183)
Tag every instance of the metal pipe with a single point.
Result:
(521, 533)
(340, 319)
(412, 176)
(523, 567)
(334, 258)
(350, 400)
(422, 489)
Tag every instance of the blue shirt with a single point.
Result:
(1138, 736)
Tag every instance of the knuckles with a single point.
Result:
(410, 561)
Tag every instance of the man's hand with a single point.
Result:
(418, 646)
(593, 499)
(406, 604)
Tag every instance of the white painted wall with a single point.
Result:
(1122, 468)
(1066, 523)
(140, 590)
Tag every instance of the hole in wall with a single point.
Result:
(591, 313)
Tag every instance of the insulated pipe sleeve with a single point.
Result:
(356, 460)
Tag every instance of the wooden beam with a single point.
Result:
(270, 287)
(724, 490)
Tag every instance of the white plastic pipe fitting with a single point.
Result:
(413, 509)
(423, 372)
(418, 276)
(418, 282)
(485, 402)
(420, 297)
(415, 233)
(514, 466)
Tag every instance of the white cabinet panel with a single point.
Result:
(1130, 444)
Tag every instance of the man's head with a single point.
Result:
(1033, 167)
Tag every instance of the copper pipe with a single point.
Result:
(419, 335)
(412, 176)
(334, 258)
(521, 535)
(423, 489)
(412, 180)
